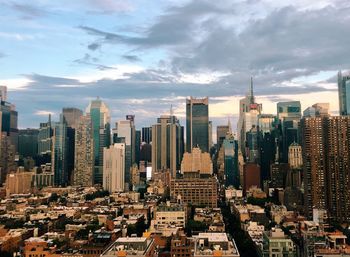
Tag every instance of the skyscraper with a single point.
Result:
(231, 161)
(146, 135)
(84, 158)
(59, 155)
(344, 93)
(28, 142)
(221, 132)
(100, 118)
(289, 115)
(248, 116)
(9, 118)
(314, 171)
(317, 110)
(113, 167)
(167, 145)
(197, 124)
(72, 116)
(337, 151)
(45, 138)
(124, 132)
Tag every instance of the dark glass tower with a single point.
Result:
(197, 124)
(344, 93)
(60, 153)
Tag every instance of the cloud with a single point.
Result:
(92, 61)
(28, 11)
(131, 58)
(44, 113)
(94, 46)
(2, 55)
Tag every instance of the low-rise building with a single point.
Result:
(214, 244)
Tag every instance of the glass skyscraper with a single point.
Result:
(59, 155)
(344, 93)
(197, 124)
(100, 118)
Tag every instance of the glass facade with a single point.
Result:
(59, 157)
(100, 119)
(197, 124)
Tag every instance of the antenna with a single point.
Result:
(171, 110)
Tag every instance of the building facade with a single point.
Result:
(114, 168)
(197, 124)
(84, 158)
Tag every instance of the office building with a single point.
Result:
(249, 111)
(19, 182)
(100, 119)
(197, 161)
(114, 167)
(59, 160)
(251, 176)
(146, 135)
(317, 110)
(230, 146)
(124, 132)
(167, 144)
(196, 191)
(252, 145)
(3, 93)
(344, 93)
(72, 116)
(7, 157)
(197, 124)
(295, 157)
(289, 115)
(45, 138)
(197, 186)
(84, 158)
(9, 118)
(221, 132)
(28, 142)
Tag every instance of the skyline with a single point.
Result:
(142, 57)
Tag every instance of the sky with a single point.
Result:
(142, 56)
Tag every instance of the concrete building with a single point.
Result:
(131, 247)
(214, 244)
(195, 190)
(197, 124)
(19, 182)
(84, 160)
(167, 144)
(124, 132)
(197, 161)
(251, 176)
(114, 168)
(169, 215)
(276, 243)
(295, 157)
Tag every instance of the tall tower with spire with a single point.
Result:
(248, 115)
